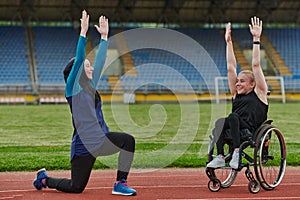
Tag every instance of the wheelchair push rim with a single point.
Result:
(270, 158)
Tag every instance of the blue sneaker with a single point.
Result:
(37, 183)
(121, 188)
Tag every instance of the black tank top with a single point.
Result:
(250, 108)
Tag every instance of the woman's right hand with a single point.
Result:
(84, 23)
(228, 32)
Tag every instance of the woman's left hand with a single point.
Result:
(255, 28)
(103, 27)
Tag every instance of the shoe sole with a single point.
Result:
(124, 194)
(40, 170)
(215, 167)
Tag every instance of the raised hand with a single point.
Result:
(255, 27)
(84, 23)
(103, 27)
(228, 32)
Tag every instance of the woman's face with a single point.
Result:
(244, 85)
(88, 69)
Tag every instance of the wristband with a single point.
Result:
(256, 42)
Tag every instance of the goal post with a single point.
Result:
(219, 84)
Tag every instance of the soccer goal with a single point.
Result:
(222, 88)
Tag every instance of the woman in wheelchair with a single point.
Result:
(249, 98)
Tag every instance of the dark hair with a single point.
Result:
(68, 68)
(83, 81)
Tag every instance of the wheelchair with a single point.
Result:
(268, 160)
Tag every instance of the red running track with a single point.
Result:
(163, 184)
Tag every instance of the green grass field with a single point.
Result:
(167, 135)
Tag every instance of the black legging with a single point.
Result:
(235, 124)
(82, 165)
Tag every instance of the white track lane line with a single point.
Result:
(153, 186)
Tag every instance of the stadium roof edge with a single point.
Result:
(181, 12)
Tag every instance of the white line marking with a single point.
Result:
(154, 186)
(11, 197)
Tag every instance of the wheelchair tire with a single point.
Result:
(253, 187)
(269, 157)
(214, 185)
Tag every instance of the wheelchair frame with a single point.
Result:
(269, 166)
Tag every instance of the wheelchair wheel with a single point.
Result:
(270, 157)
(214, 185)
(253, 187)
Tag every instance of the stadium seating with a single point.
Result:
(243, 37)
(149, 60)
(54, 46)
(287, 43)
(14, 64)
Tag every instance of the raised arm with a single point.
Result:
(84, 23)
(80, 50)
(231, 61)
(80, 55)
(102, 50)
(261, 88)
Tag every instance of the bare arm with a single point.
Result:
(231, 61)
(261, 88)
